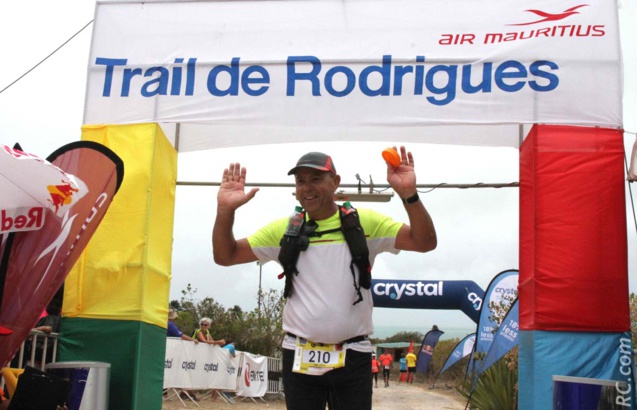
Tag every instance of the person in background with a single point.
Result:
(375, 369)
(411, 366)
(203, 333)
(385, 361)
(230, 347)
(47, 323)
(173, 331)
(329, 300)
(403, 368)
(4, 402)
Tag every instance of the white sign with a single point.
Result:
(254, 376)
(254, 72)
(199, 366)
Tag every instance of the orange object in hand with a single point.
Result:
(391, 155)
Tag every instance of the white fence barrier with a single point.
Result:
(201, 366)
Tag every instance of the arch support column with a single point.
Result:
(573, 290)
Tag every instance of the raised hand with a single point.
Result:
(403, 177)
(232, 189)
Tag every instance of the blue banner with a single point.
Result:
(462, 349)
(464, 295)
(429, 342)
(503, 287)
(506, 338)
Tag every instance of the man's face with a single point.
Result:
(315, 191)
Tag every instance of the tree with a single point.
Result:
(416, 337)
(258, 332)
(632, 304)
(264, 326)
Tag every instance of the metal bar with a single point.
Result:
(376, 186)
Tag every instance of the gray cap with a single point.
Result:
(315, 160)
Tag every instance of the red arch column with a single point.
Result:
(573, 290)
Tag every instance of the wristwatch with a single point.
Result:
(411, 199)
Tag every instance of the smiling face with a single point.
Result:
(315, 192)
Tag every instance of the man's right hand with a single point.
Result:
(232, 193)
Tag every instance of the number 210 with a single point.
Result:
(319, 357)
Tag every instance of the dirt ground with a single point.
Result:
(396, 397)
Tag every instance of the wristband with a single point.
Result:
(411, 199)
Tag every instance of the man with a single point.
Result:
(375, 369)
(385, 362)
(328, 314)
(172, 330)
(411, 366)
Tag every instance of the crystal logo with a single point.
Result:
(475, 300)
(189, 365)
(396, 291)
(211, 367)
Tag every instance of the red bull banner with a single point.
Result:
(35, 263)
(29, 185)
(429, 342)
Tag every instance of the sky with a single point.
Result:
(477, 228)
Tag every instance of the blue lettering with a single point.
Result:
(293, 76)
(350, 79)
(484, 86)
(420, 75)
(233, 72)
(517, 71)
(261, 77)
(439, 83)
(110, 64)
(385, 73)
(536, 70)
(176, 83)
(449, 88)
(161, 82)
(128, 76)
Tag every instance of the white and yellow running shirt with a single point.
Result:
(320, 307)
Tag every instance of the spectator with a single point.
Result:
(48, 323)
(375, 368)
(385, 361)
(203, 333)
(411, 366)
(230, 346)
(403, 368)
(173, 331)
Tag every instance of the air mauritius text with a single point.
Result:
(308, 75)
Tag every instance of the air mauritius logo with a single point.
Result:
(550, 16)
(544, 24)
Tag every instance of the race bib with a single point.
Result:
(317, 358)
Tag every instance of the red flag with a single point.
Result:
(411, 347)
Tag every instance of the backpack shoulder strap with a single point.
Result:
(357, 244)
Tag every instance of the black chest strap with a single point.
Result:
(296, 240)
